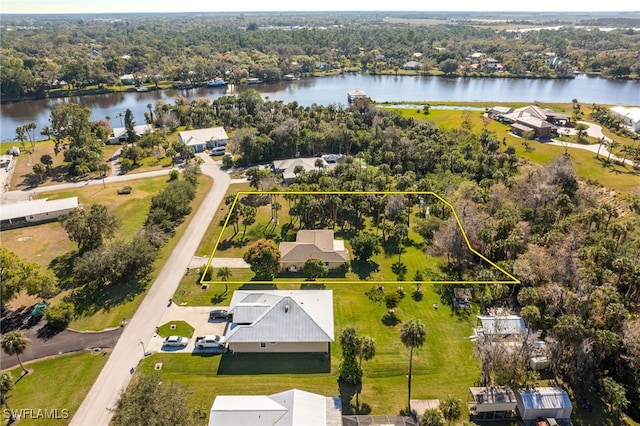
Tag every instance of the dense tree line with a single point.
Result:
(40, 52)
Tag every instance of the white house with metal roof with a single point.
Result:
(119, 134)
(630, 116)
(281, 321)
(544, 402)
(201, 139)
(288, 408)
(34, 211)
(503, 327)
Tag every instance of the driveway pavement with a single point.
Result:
(197, 317)
(592, 130)
(218, 262)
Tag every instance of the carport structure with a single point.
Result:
(492, 403)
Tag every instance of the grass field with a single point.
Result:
(55, 384)
(46, 242)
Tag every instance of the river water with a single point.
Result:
(333, 90)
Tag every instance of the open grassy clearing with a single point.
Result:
(47, 388)
(111, 317)
(442, 366)
(46, 242)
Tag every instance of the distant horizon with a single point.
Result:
(46, 7)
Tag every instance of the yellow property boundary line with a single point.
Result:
(513, 280)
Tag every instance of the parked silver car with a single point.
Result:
(175, 341)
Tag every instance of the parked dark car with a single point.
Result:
(219, 314)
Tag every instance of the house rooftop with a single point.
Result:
(544, 398)
(36, 207)
(281, 316)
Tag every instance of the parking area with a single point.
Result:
(197, 317)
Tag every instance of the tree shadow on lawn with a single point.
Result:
(274, 363)
(90, 299)
(258, 287)
(364, 269)
(62, 267)
(347, 392)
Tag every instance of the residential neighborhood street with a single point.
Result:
(121, 365)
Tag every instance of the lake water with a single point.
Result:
(333, 90)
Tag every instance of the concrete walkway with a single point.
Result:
(126, 355)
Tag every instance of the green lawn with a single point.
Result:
(443, 366)
(55, 384)
(176, 328)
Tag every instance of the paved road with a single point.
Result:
(128, 352)
(64, 342)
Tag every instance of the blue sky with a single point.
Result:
(123, 6)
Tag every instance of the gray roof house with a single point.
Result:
(200, 139)
(281, 321)
(411, 65)
(313, 244)
(542, 121)
(288, 408)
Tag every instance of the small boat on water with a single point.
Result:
(217, 82)
(254, 81)
(142, 89)
(289, 77)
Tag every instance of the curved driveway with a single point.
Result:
(128, 352)
(595, 131)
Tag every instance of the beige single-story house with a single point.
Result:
(313, 244)
(288, 166)
(281, 321)
(202, 139)
(119, 134)
(544, 402)
(35, 211)
(288, 408)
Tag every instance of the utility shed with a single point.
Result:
(492, 402)
(545, 402)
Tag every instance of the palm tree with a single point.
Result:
(6, 384)
(612, 145)
(224, 274)
(451, 408)
(412, 335)
(14, 343)
(601, 141)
